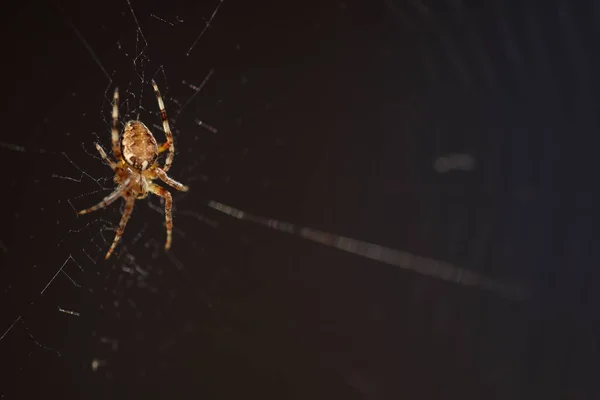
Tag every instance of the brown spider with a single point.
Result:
(136, 167)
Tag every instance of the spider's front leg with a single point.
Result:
(170, 181)
(124, 218)
(108, 200)
(164, 193)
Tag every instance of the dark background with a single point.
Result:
(330, 115)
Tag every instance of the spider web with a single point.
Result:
(323, 200)
(63, 290)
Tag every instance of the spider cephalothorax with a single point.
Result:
(136, 167)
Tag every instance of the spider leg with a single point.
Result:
(170, 181)
(108, 200)
(116, 146)
(164, 193)
(107, 160)
(124, 218)
(168, 145)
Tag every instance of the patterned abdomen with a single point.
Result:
(139, 147)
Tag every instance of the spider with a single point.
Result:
(137, 166)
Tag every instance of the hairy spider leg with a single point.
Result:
(107, 160)
(116, 146)
(170, 181)
(124, 218)
(108, 200)
(168, 145)
(165, 194)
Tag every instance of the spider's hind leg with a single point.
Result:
(168, 145)
(107, 160)
(115, 127)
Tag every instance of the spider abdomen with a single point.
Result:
(138, 145)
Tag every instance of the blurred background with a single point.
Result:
(458, 131)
